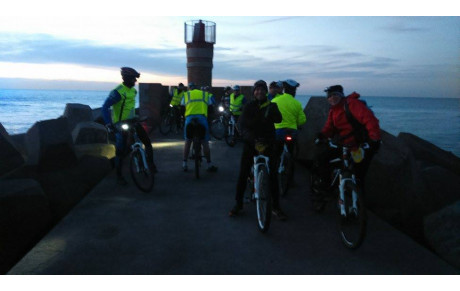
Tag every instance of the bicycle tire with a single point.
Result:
(352, 228)
(217, 129)
(264, 201)
(166, 124)
(197, 153)
(141, 175)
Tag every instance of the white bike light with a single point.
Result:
(124, 126)
(221, 108)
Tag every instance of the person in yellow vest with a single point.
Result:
(293, 115)
(122, 100)
(176, 97)
(196, 104)
(237, 102)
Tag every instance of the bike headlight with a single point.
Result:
(170, 105)
(125, 126)
(221, 108)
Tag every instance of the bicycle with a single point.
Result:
(352, 217)
(141, 173)
(219, 124)
(259, 186)
(169, 121)
(286, 165)
(197, 132)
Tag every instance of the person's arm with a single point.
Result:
(246, 124)
(274, 114)
(367, 118)
(301, 118)
(113, 98)
(328, 128)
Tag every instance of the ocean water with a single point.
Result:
(436, 120)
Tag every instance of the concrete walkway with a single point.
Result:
(182, 227)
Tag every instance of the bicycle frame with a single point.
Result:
(284, 153)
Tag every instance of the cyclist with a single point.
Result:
(257, 122)
(237, 102)
(225, 100)
(292, 112)
(196, 104)
(338, 123)
(274, 90)
(176, 97)
(122, 101)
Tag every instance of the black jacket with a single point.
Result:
(257, 121)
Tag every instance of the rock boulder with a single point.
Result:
(88, 133)
(76, 113)
(10, 157)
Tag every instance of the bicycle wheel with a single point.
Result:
(142, 176)
(217, 129)
(263, 202)
(230, 136)
(353, 225)
(197, 156)
(166, 124)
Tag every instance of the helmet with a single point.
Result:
(129, 72)
(260, 84)
(291, 83)
(180, 86)
(276, 84)
(228, 88)
(334, 89)
(191, 85)
(236, 88)
(280, 84)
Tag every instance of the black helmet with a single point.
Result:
(276, 85)
(180, 86)
(334, 89)
(129, 72)
(228, 88)
(259, 84)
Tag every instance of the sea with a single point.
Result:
(436, 120)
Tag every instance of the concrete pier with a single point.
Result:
(182, 227)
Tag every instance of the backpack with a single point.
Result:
(359, 130)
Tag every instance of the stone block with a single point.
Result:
(442, 232)
(24, 218)
(316, 112)
(76, 113)
(10, 157)
(424, 150)
(88, 133)
(19, 141)
(97, 116)
(50, 145)
(443, 188)
(97, 150)
(152, 98)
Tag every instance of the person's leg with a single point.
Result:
(188, 142)
(120, 147)
(245, 168)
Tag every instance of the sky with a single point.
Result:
(75, 45)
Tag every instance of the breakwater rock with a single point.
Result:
(44, 173)
(411, 184)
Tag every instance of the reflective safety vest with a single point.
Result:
(196, 102)
(291, 110)
(177, 97)
(124, 109)
(236, 104)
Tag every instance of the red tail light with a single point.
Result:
(288, 138)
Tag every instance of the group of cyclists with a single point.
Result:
(272, 113)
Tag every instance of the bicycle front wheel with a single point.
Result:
(263, 201)
(217, 129)
(141, 174)
(166, 124)
(353, 226)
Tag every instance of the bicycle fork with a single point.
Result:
(342, 197)
(138, 146)
(257, 165)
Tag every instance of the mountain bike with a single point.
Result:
(286, 165)
(259, 186)
(352, 217)
(219, 124)
(231, 132)
(196, 132)
(170, 122)
(141, 172)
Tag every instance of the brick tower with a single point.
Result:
(200, 37)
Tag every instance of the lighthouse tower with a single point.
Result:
(200, 37)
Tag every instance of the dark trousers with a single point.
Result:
(247, 160)
(121, 148)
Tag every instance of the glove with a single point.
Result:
(320, 138)
(110, 128)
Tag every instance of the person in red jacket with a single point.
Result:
(338, 126)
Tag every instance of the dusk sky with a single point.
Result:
(376, 56)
